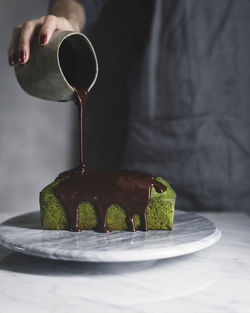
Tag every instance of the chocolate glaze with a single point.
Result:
(129, 189)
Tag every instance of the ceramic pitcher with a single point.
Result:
(67, 61)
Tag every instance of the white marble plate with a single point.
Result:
(191, 233)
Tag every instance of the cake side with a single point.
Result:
(160, 211)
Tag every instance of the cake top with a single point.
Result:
(130, 189)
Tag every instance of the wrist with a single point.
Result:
(72, 11)
(76, 24)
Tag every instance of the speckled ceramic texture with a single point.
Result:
(191, 233)
(42, 76)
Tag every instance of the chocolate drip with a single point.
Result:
(129, 189)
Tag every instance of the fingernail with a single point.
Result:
(13, 59)
(43, 39)
(22, 56)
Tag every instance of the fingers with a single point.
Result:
(47, 29)
(26, 35)
(19, 49)
(13, 48)
(50, 24)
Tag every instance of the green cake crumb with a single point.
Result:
(160, 211)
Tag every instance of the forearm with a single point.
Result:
(72, 10)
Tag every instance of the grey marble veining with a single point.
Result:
(191, 233)
(214, 280)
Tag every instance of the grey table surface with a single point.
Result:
(212, 280)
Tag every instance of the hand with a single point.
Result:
(19, 49)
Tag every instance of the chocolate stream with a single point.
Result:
(129, 189)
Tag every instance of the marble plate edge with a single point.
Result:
(122, 256)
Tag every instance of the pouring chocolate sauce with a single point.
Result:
(129, 189)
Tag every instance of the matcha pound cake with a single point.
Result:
(106, 201)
